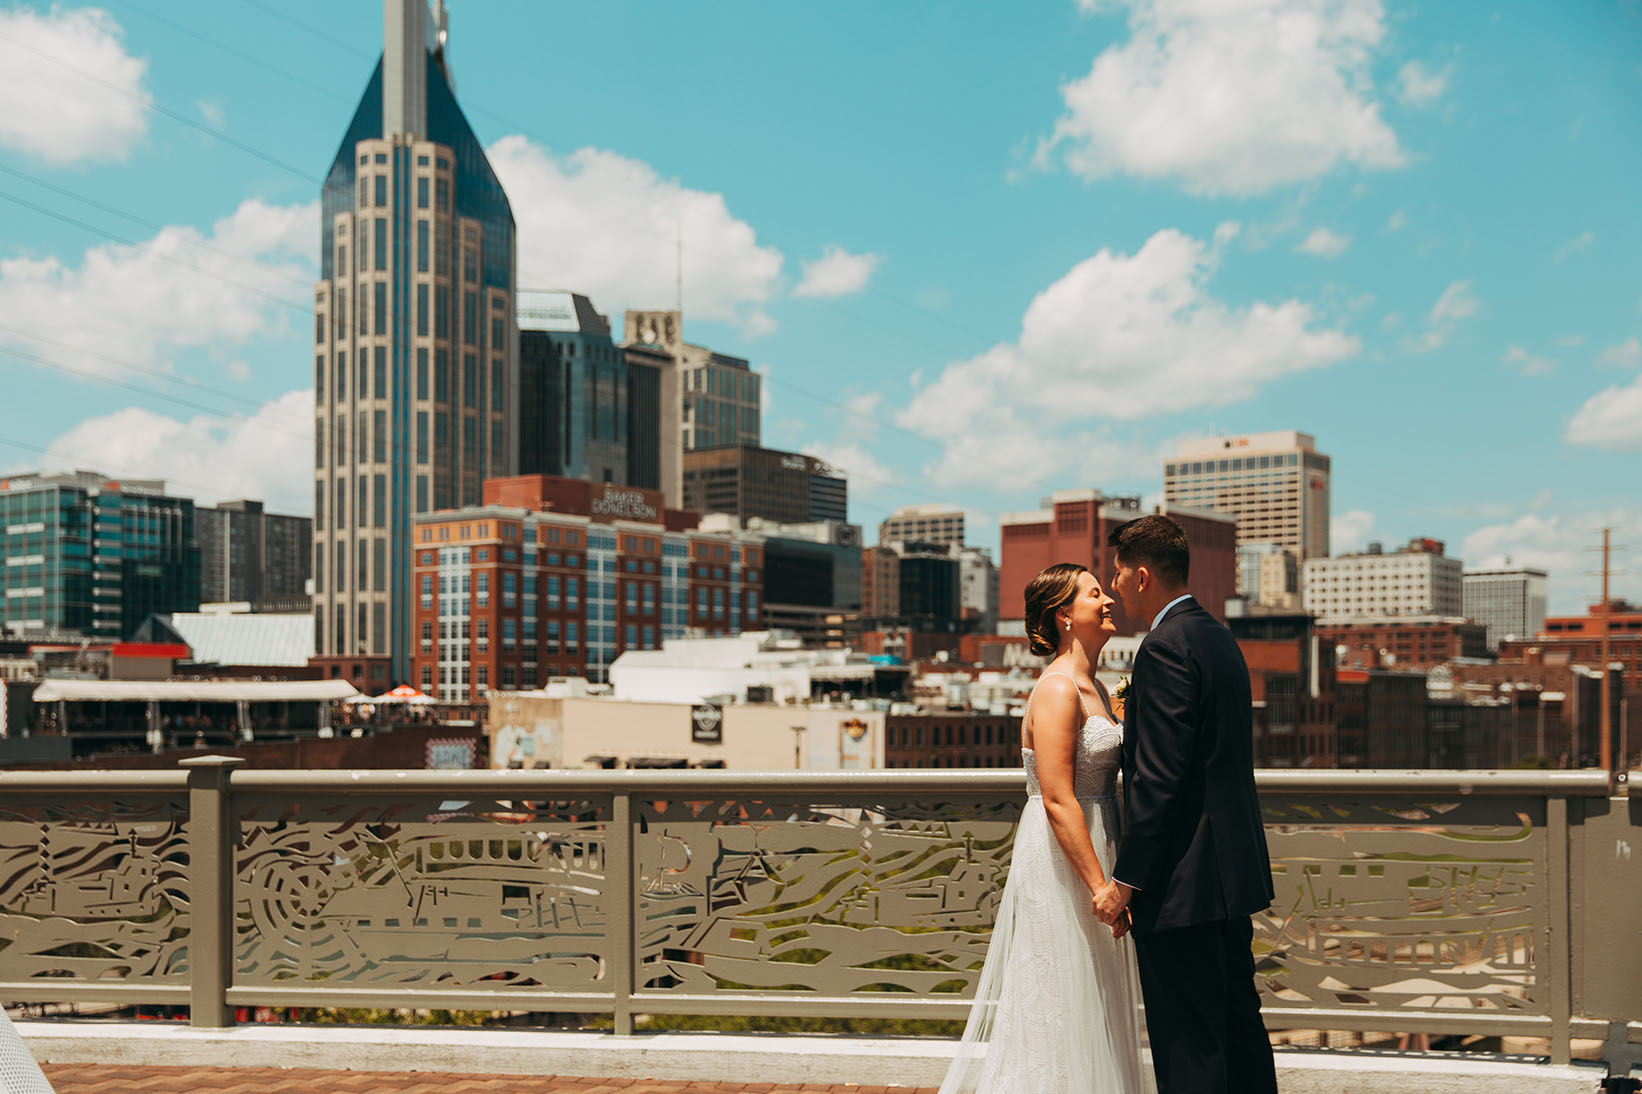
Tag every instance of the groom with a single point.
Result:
(1192, 864)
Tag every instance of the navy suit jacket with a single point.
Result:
(1193, 844)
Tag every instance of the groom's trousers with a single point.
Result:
(1203, 1012)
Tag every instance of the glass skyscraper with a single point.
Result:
(87, 555)
(415, 376)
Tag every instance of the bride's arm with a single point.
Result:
(1057, 718)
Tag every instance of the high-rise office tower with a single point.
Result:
(1276, 485)
(1508, 600)
(940, 524)
(90, 555)
(252, 556)
(575, 400)
(415, 374)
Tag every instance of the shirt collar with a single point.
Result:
(1158, 618)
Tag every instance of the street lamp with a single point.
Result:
(798, 746)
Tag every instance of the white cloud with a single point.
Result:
(59, 116)
(608, 226)
(1397, 221)
(1118, 337)
(1457, 302)
(239, 370)
(1571, 341)
(250, 278)
(1418, 86)
(865, 472)
(1324, 244)
(1530, 364)
(211, 111)
(837, 273)
(1560, 544)
(1575, 245)
(1229, 98)
(1350, 531)
(1610, 419)
(267, 455)
(1627, 354)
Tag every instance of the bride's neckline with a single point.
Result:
(1098, 716)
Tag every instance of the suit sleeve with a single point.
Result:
(1163, 765)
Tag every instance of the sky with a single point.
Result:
(980, 252)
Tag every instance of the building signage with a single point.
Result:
(856, 728)
(706, 724)
(629, 504)
(795, 463)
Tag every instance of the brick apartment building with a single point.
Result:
(1073, 526)
(558, 577)
(1405, 642)
(952, 740)
(1291, 681)
(1579, 638)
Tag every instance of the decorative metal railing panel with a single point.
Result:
(1430, 902)
(94, 889)
(836, 898)
(421, 891)
(1421, 904)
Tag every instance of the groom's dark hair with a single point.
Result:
(1157, 543)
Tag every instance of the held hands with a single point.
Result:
(1111, 907)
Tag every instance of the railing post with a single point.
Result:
(620, 893)
(211, 897)
(1557, 961)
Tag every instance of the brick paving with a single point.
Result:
(110, 1079)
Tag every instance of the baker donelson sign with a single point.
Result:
(623, 503)
(706, 723)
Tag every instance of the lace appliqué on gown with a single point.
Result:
(1057, 1008)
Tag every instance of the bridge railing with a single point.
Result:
(1494, 903)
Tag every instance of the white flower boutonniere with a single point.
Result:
(1121, 695)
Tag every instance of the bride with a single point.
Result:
(1057, 1007)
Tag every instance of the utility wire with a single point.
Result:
(176, 116)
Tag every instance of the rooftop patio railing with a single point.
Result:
(1473, 902)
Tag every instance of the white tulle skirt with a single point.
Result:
(1057, 1009)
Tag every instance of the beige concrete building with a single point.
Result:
(939, 524)
(1276, 484)
(541, 729)
(1419, 579)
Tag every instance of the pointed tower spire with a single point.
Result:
(404, 68)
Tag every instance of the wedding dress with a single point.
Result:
(1057, 1009)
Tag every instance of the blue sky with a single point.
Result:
(982, 251)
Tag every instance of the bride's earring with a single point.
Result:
(1068, 624)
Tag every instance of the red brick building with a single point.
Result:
(1291, 681)
(1074, 526)
(1405, 642)
(559, 577)
(1579, 637)
(952, 740)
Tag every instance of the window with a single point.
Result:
(630, 637)
(483, 589)
(422, 193)
(380, 309)
(481, 632)
(572, 593)
(571, 639)
(379, 246)
(422, 317)
(509, 634)
(341, 511)
(421, 436)
(552, 640)
(427, 590)
(381, 189)
(427, 635)
(510, 595)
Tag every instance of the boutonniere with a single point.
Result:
(1121, 695)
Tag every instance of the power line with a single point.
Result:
(135, 219)
(234, 51)
(112, 381)
(149, 104)
(158, 374)
(66, 219)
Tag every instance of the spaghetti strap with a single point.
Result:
(1075, 688)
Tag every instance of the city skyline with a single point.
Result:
(938, 319)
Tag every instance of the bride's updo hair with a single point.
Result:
(1047, 594)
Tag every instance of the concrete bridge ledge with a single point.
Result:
(745, 1058)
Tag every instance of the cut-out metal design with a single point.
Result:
(749, 894)
(1400, 904)
(404, 892)
(94, 890)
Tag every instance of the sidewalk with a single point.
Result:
(107, 1079)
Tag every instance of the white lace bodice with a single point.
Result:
(1095, 766)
